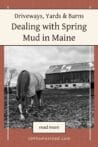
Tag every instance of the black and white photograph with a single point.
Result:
(49, 84)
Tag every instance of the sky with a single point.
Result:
(39, 58)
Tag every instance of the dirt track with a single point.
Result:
(70, 106)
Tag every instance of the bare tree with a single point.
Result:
(9, 75)
(13, 73)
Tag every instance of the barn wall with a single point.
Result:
(68, 86)
(77, 79)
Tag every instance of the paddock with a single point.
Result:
(71, 106)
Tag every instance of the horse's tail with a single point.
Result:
(22, 85)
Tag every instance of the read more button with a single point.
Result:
(48, 127)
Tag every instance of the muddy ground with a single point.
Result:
(70, 106)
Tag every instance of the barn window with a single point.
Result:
(66, 85)
(60, 85)
(51, 86)
(74, 85)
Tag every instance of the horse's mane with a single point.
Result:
(23, 84)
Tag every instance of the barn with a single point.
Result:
(76, 75)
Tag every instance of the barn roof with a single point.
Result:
(71, 67)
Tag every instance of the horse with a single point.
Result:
(29, 85)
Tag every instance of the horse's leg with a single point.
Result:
(39, 97)
(21, 104)
(32, 101)
(20, 107)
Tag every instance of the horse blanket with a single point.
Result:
(36, 84)
(29, 83)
